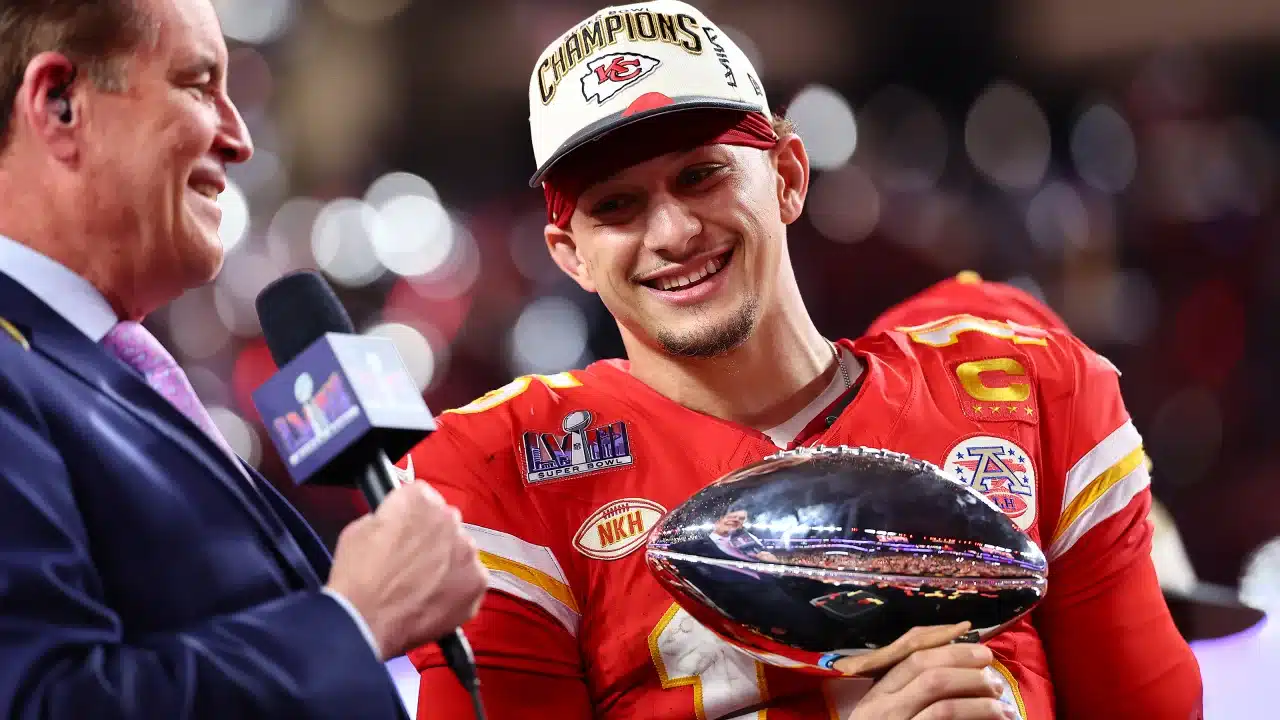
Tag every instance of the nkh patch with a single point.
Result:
(582, 449)
(618, 528)
(608, 75)
(1001, 471)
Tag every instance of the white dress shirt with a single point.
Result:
(81, 304)
(70, 295)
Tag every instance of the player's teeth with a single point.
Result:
(713, 266)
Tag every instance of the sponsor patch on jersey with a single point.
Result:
(583, 448)
(608, 75)
(1001, 471)
(999, 389)
(618, 528)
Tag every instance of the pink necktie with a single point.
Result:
(134, 345)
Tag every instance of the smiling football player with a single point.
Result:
(669, 186)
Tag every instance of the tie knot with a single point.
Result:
(136, 347)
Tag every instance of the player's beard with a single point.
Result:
(711, 340)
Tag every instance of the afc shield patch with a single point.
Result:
(1001, 471)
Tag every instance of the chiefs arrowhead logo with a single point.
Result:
(607, 75)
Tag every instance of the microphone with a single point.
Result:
(341, 406)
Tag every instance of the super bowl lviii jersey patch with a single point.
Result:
(581, 448)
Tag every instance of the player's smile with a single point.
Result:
(693, 281)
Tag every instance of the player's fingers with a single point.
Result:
(917, 638)
(944, 683)
(962, 656)
(968, 709)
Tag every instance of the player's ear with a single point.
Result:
(565, 252)
(791, 162)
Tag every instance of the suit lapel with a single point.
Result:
(59, 341)
(313, 560)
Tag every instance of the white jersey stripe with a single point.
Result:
(1113, 448)
(530, 572)
(1107, 503)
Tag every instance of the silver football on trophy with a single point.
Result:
(840, 560)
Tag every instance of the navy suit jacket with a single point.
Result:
(141, 575)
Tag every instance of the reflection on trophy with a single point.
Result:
(734, 541)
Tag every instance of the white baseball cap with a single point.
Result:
(630, 62)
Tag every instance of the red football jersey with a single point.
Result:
(560, 477)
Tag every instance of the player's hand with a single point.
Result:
(409, 569)
(952, 682)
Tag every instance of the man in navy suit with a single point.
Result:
(145, 571)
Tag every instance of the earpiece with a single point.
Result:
(62, 108)
(58, 101)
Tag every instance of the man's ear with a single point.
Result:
(565, 252)
(792, 163)
(49, 102)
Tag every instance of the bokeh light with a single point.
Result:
(414, 348)
(235, 216)
(903, 139)
(529, 249)
(413, 235)
(195, 330)
(398, 184)
(243, 276)
(240, 435)
(1057, 218)
(549, 336)
(254, 21)
(844, 204)
(1007, 137)
(342, 242)
(288, 237)
(1103, 149)
(825, 121)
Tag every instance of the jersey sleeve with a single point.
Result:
(1112, 646)
(524, 637)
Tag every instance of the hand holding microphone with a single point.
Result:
(338, 407)
(410, 569)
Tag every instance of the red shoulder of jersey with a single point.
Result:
(1044, 415)
(1054, 396)
(967, 293)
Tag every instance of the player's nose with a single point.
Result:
(671, 227)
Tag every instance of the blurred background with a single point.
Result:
(1121, 160)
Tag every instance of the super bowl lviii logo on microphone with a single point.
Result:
(321, 414)
(580, 450)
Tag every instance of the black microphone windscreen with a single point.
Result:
(297, 310)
